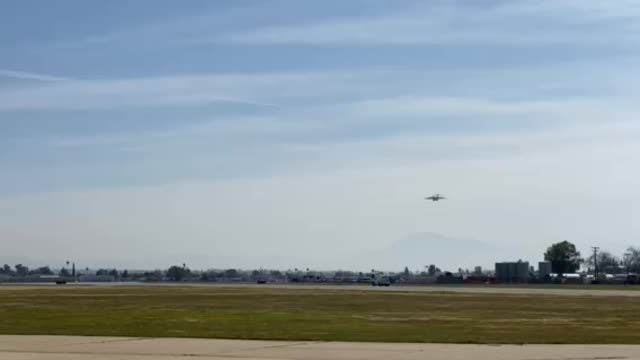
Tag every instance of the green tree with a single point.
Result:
(21, 270)
(64, 272)
(114, 273)
(433, 270)
(6, 270)
(406, 273)
(177, 273)
(125, 274)
(44, 270)
(102, 272)
(564, 257)
(155, 275)
(231, 273)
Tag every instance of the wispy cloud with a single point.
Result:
(380, 91)
(415, 120)
(514, 23)
(583, 10)
(231, 129)
(437, 107)
(169, 32)
(427, 112)
(23, 75)
(511, 23)
(138, 92)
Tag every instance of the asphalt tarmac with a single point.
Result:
(481, 289)
(14, 347)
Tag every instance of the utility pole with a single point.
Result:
(627, 255)
(595, 262)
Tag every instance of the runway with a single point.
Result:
(15, 347)
(465, 289)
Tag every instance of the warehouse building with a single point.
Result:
(544, 269)
(512, 272)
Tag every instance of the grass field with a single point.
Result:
(312, 314)
(555, 286)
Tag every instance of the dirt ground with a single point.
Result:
(14, 347)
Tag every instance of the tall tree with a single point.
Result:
(21, 270)
(6, 269)
(231, 273)
(64, 272)
(564, 257)
(114, 273)
(433, 270)
(44, 270)
(607, 263)
(631, 259)
(177, 273)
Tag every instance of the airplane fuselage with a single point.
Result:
(437, 197)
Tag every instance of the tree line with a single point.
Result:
(565, 258)
(22, 270)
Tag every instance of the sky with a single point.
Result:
(300, 134)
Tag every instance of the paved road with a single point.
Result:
(105, 348)
(488, 289)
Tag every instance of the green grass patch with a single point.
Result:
(318, 314)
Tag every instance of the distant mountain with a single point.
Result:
(415, 250)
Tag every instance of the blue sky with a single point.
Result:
(257, 97)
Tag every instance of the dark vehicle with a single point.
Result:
(480, 279)
(632, 279)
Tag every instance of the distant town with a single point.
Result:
(562, 263)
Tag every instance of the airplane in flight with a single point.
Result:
(436, 197)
